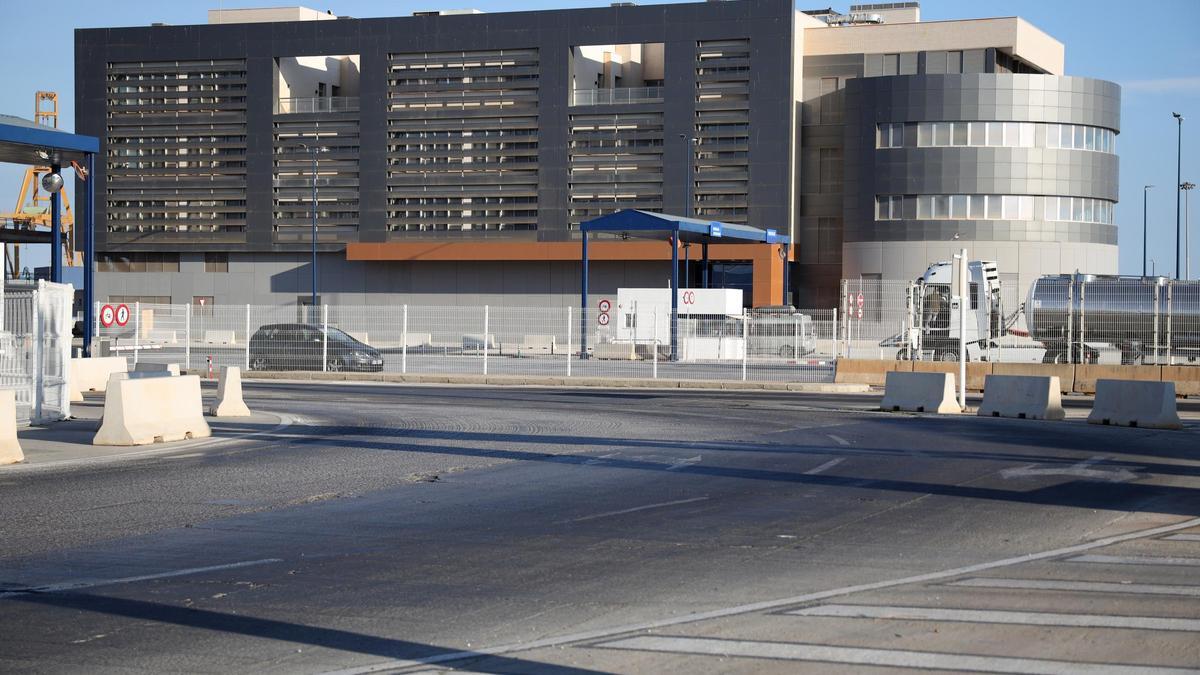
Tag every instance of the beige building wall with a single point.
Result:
(267, 15)
(1012, 34)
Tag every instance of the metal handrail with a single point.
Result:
(314, 104)
(616, 96)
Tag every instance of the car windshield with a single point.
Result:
(340, 336)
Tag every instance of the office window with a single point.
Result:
(978, 207)
(995, 134)
(941, 206)
(960, 133)
(995, 208)
(830, 178)
(216, 262)
(958, 206)
(889, 207)
(891, 64)
(941, 134)
(831, 109)
(924, 134)
(954, 62)
(829, 240)
(137, 262)
(978, 133)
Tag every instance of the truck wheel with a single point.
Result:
(787, 352)
(948, 355)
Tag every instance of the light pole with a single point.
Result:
(313, 150)
(1145, 191)
(1187, 226)
(1178, 183)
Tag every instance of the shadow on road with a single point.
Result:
(271, 629)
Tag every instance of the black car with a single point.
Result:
(301, 346)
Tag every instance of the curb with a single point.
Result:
(523, 380)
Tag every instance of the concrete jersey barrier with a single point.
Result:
(1135, 403)
(92, 374)
(144, 367)
(538, 343)
(219, 337)
(920, 392)
(229, 395)
(10, 447)
(1022, 396)
(140, 411)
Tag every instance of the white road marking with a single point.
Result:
(633, 510)
(839, 439)
(1086, 586)
(768, 605)
(679, 464)
(897, 658)
(601, 458)
(1079, 470)
(1183, 537)
(827, 465)
(92, 583)
(1135, 560)
(187, 456)
(1000, 616)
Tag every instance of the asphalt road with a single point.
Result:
(555, 531)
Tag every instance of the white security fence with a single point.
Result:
(1067, 319)
(532, 341)
(35, 350)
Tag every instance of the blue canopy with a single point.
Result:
(651, 225)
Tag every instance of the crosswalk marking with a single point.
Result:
(1000, 616)
(1135, 560)
(1187, 536)
(877, 657)
(1063, 585)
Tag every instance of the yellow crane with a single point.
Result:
(32, 211)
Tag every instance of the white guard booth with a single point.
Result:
(710, 324)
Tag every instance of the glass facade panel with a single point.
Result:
(960, 133)
(924, 134)
(941, 206)
(994, 208)
(958, 206)
(978, 207)
(995, 134)
(941, 134)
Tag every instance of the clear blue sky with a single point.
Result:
(1151, 48)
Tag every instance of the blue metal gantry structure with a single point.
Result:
(675, 230)
(25, 142)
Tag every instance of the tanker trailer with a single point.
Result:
(1075, 315)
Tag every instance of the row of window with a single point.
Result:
(992, 207)
(995, 134)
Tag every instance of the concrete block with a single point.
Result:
(144, 410)
(10, 447)
(976, 372)
(475, 341)
(1086, 376)
(1064, 372)
(1135, 403)
(92, 374)
(219, 337)
(162, 337)
(1186, 379)
(229, 401)
(537, 344)
(144, 367)
(920, 392)
(418, 340)
(1035, 397)
(625, 351)
(868, 371)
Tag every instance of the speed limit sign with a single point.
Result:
(107, 315)
(122, 314)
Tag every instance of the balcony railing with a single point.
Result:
(287, 106)
(617, 96)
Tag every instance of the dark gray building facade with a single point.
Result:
(456, 154)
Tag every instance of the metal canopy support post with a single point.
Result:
(786, 269)
(704, 271)
(675, 296)
(89, 256)
(686, 267)
(313, 150)
(55, 231)
(583, 302)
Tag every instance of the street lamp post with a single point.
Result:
(312, 150)
(1145, 191)
(1178, 184)
(1187, 227)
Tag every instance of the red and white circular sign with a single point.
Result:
(689, 297)
(602, 319)
(860, 299)
(122, 315)
(605, 305)
(107, 315)
(860, 312)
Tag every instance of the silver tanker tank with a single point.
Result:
(1130, 313)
